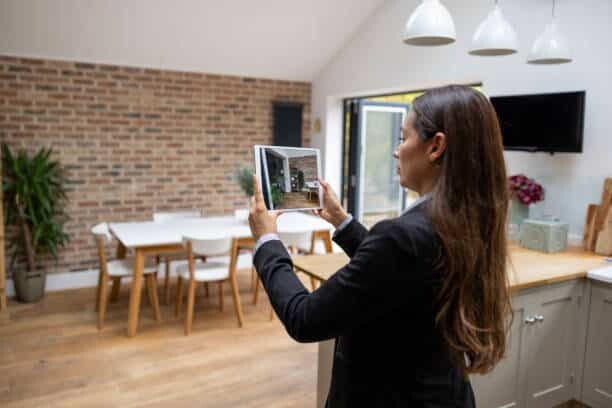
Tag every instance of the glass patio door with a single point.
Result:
(375, 192)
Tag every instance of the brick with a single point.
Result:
(137, 140)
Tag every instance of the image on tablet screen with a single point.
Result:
(289, 177)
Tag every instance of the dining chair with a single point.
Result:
(208, 271)
(115, 270)
(168, 259)
(296, 242)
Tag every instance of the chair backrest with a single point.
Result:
(171, 216)
(102, 230)
(209, 246)
(102, 234)
(302, 239)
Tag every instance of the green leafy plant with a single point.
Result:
(277, 195)
(244, 177)
(34, 201)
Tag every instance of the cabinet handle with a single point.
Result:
(539, 318)
(530, 320)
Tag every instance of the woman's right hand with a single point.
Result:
(332, 211)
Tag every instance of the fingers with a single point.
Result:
(257, 195)
(256, 189)
(323, 184)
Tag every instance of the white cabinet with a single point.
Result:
(542, 358)
(597, 379)
(552, 343)
(503, 386)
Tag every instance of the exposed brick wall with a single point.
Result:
(136, 140)
(308, 164)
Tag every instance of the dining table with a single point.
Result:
(150, 238)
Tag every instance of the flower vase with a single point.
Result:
(518, 212)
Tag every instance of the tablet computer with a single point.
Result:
(289, 177)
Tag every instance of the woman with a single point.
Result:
(423, 301)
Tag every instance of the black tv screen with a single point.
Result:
(542, 122)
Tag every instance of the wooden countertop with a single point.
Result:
(526, 268)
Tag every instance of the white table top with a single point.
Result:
(149, 233)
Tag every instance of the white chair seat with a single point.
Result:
(205, 271)
(124, 267)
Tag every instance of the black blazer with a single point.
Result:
(380, 309)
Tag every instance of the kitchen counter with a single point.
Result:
(526, 268)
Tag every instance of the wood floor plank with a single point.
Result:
(52, 355)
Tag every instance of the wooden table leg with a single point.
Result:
(167, 282)
(135, 292)
(236, 298)
(153, 299)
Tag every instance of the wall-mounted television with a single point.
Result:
(551, 122)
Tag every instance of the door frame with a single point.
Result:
(357, 149)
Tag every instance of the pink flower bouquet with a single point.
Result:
(524, 189)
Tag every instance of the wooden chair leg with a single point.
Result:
(115, 291)
(236, 298)
(313, 283)
(167, 283)
(152, 291)
(206, 289)
(102, 301)
(99, 289)
(190, 302)
(256, 292)
(253, 278)
(179, 296)
(221, 296)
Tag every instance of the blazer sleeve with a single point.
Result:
(351, 237)
(376, 280)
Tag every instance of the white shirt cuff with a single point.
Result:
(263, 239)
(343, 224)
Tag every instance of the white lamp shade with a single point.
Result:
(430, 24)
(550, 47)
(494, 36)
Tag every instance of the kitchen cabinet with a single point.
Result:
(542, 358)
(552, 334)
(503, 386)
(597, 377)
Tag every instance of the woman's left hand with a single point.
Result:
(261, 220)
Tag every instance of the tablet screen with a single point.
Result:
(288, 177)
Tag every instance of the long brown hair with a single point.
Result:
(468, 208)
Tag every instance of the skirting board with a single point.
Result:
(89, 278)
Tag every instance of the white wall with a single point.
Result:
(278, 39)
(376, 60)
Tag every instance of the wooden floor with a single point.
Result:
(299, 200)
(52, 355)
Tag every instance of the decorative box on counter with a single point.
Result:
(546, 235)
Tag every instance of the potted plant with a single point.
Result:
(34, 200)
(523, 192)
(244, 177)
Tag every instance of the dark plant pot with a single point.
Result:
(29, 286)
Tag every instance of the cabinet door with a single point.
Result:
(552, 344)
(597, 382)
(503, 387)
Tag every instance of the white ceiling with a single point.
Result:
(281, 39)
